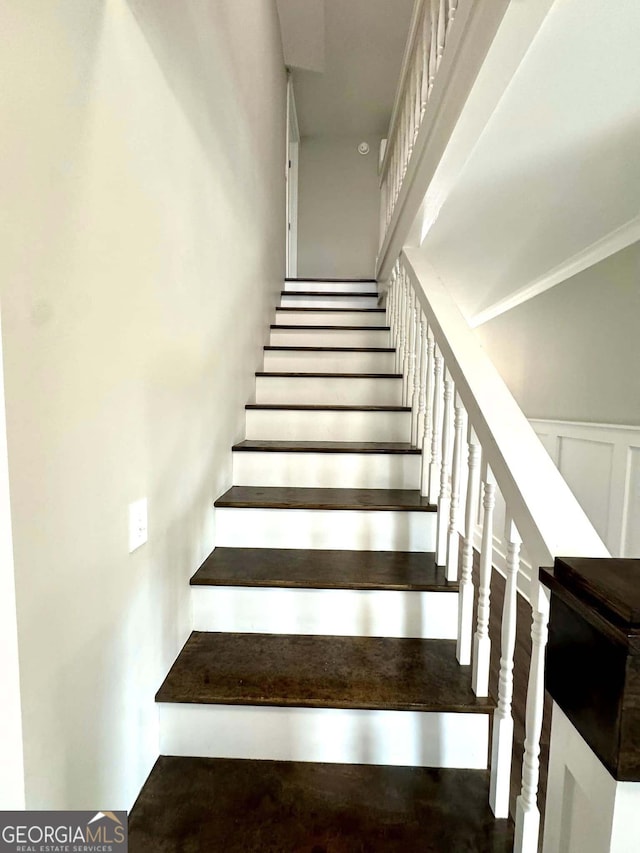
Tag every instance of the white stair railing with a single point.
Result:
(458, 383)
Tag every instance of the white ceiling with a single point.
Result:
(363, 47)
(558, 165)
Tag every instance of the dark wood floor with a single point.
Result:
(199, 805)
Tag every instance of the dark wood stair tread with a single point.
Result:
(333, 328)
(338, 310)
(319, 407)
(321, 293)
(330, 349)
(336, 280)
(282, 374)
(314, 569)
(287, 670)
(242, 806)
(293, 497)
(250, 445)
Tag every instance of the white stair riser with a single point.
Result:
(299, 361)
(355, 530)
(331, 390)
(396, 738)
(324, 470)
(331, 318)
(291, 300)
(318, 425)
(327, 612)
(332, 286)
(329, 338)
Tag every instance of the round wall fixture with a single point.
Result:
(363, 148)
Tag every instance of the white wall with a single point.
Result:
(12, 764)
(572, 353)
(338, 208)
(141, 153)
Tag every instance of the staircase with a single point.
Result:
(318, 704)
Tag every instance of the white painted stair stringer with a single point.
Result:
(328, 612)
(351, 530)
(349, 736)
(324, 470)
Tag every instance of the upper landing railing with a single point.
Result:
(448, 41)
(430, 26)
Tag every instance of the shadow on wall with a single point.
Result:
(208, 79)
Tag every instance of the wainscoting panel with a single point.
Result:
(601, 464)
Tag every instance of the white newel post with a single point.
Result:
(481, 641)
(422, 381)
(428, 417)
(527, 812)
(453, 537)
(444, 497)
(502, 745)
(465, 595)
(436, 425)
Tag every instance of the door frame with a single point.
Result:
(291, 181)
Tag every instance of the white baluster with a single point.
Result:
(527, 813)
(433, 48)
(481, 641)
(411, 355)
(436, 426)
(390, 301)
(428, 418)
(444, 498)
(401, 327)
(502, 745)
(453, 5)
(391, 305)
(422, 382)
(453, 538)
(411, 117)
(465, 594)
(442, 31)
(417, 358)
(425, 45)
(405, 354)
